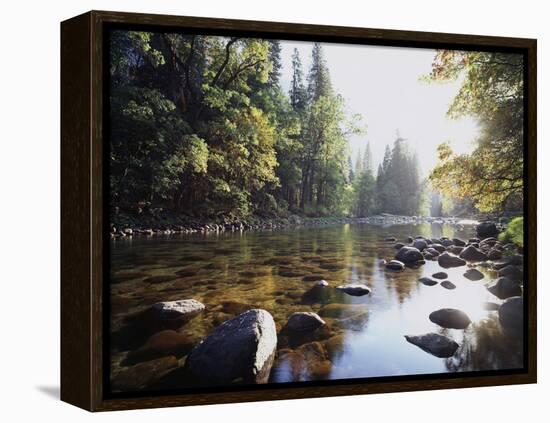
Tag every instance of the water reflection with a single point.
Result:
(277, 271)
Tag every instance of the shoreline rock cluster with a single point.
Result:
(128, 227)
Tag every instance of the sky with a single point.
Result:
(382, 85)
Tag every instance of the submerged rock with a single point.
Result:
(428, 281)
(395, 265)
(317, 293)
(242, 348)
(435, 344)
(142, 375)
(173, 314)
(471, 253)
(409, 255)
(473, 275)
(448, 285)
(505, 288)
(355, 322)
(450, 318)
(161, 344)
(510, 315)
(303, 322)
(447, 260)
(341, 311)
(354, 289)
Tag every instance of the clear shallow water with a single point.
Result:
(232, 272)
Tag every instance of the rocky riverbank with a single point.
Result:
(124, 225)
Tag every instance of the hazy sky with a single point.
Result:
(382, 84)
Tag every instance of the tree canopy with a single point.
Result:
(492, 92)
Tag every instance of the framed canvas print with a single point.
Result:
(256, 211)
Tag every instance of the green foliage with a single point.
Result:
(492, 92)
(514, 232)
(201, 126)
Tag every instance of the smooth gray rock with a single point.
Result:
(355, 289)
(428, 281)
(450, 318)
(505, 288)
(473, 275)
(455, 249)
(440, 275)
(448, 285)
(395, 265)
(458, 242)
(420, 244)
(438, 247)
(409, 255)
(447, 260)
(471, 253)
(172, 313)
(435, 344)
(303, 322)
(242, 348)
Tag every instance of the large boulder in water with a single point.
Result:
(471, 253)
(409, 255)
(450, 318)
(447, 261)
(435, 344)
(242, 348)
(505, 288)
(510, 315)
(487, 229)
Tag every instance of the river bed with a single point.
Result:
(234, 271)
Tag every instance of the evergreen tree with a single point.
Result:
(297, 93)
(318, 77)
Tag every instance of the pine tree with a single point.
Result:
(276, 64)
(297, 92)
(318, 77)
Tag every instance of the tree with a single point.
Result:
(298, 92)
(398, 187)
(492, 92)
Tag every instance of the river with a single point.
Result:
(232, 272)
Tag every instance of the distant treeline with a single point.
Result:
(200, 125)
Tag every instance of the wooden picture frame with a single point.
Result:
(84, 220)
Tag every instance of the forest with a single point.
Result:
(201, 126)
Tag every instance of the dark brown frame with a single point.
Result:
(83, 219)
